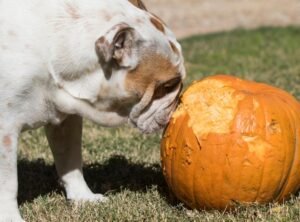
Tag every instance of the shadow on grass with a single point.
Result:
(36, 178)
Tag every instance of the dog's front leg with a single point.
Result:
(8, 175)
(65, 143)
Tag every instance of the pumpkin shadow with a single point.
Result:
(36, 178)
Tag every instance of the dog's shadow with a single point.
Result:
(36, 178)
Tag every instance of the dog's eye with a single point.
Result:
(167, 87)
(172, 84)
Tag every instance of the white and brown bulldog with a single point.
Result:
(63, 60)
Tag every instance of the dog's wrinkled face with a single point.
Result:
(147, 59)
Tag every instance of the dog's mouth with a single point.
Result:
(153, 121)
(157, 113)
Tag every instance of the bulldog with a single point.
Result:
(63, 60)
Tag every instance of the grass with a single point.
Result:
(125, 165)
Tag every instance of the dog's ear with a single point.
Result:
(118, 46)
(139, 4)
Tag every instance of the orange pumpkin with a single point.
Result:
(230, 141)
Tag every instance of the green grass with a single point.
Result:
(125, 165)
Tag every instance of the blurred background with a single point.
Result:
(190, 17)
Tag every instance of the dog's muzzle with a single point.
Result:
(155, 114)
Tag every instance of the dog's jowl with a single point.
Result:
(60, 61)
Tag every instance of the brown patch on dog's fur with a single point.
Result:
(101, 40)
(138, 4)
(139, 21)
(158, 25)
(153, 67)
(72, 11)
(12, 33)
(7, 142)
(106, 15)
(158, 18)
(174, 48)
(103, 49)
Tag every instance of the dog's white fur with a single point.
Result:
(50, 74)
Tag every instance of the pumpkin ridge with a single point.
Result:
(194, 175)
(296, 152)
(222, 175)
(239, 185)
(264, 162)
(165, 153)
(189, 162)
(239, 189)
(288, 174)
(282, 183)
(175, 151)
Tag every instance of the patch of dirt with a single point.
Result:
(190, 17)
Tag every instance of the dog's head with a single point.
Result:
(151, 59)
(142, 66)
